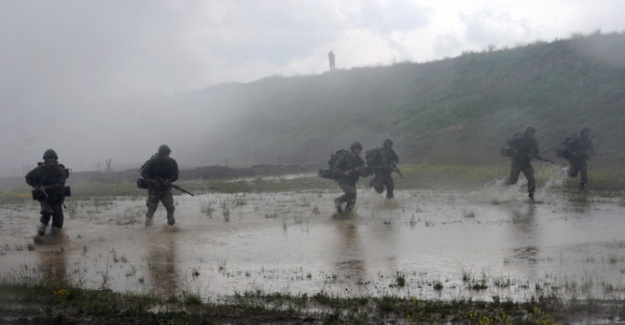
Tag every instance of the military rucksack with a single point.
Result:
(373, 157)
(569, 142)
(334, 157)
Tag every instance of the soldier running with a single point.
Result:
(347, 167)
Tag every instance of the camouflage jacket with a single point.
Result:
(525, 148)
(389, 157)
(157, 167)
(348, 161)
(579, 146)
(53, 177)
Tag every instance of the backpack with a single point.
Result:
(335, 156)
(373, 157)
(569, 140)
(565, 152)
(329, 173)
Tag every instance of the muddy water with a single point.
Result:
(490, 244)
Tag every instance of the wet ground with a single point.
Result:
(490, 244)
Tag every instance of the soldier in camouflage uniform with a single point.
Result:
(579, 147)
(48, 181)
(383, 176)
(524, 148)
(161, 170)
(347, 167)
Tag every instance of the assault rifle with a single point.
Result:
(36, 193)
(181, 189)
(397, 169)
(145, 184)
(543, 159)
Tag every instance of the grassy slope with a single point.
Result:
(456, 110)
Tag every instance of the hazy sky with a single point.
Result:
(58, 55)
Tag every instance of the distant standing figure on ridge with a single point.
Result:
(331, 59)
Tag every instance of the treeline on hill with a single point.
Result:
(457, 110)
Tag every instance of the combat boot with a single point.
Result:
(54, 231)
(338, 205)
(148, 222)
(531, 195)
(582, 186)
(42, 229)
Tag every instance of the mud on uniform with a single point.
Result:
(53, 178)
(525, 147)
(166, 169)
(579, 149)
(383, 176)
(347, 183)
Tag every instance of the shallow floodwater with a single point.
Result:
(489, 244)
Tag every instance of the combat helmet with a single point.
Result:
(50, 153)
(584, 130)
(529, 129)
(356, 144)
(163, 150)
(387, 142)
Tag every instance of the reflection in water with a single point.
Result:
(524, 221)
(162, 267)
(348, 257)
(524, 235)
(54, 265)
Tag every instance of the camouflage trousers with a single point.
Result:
(383, 179)
(349, 188)
(579, 166)
(54, 211)
(526, 168)
(165, 197)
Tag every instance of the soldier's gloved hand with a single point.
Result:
(166, 183)
(155, 183)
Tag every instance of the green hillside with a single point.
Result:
(457, 110)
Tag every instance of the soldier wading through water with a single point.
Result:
(383, 170)
(48, 182)
(578, 150)
(160, 171)
(524, 148)
(347, 169)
